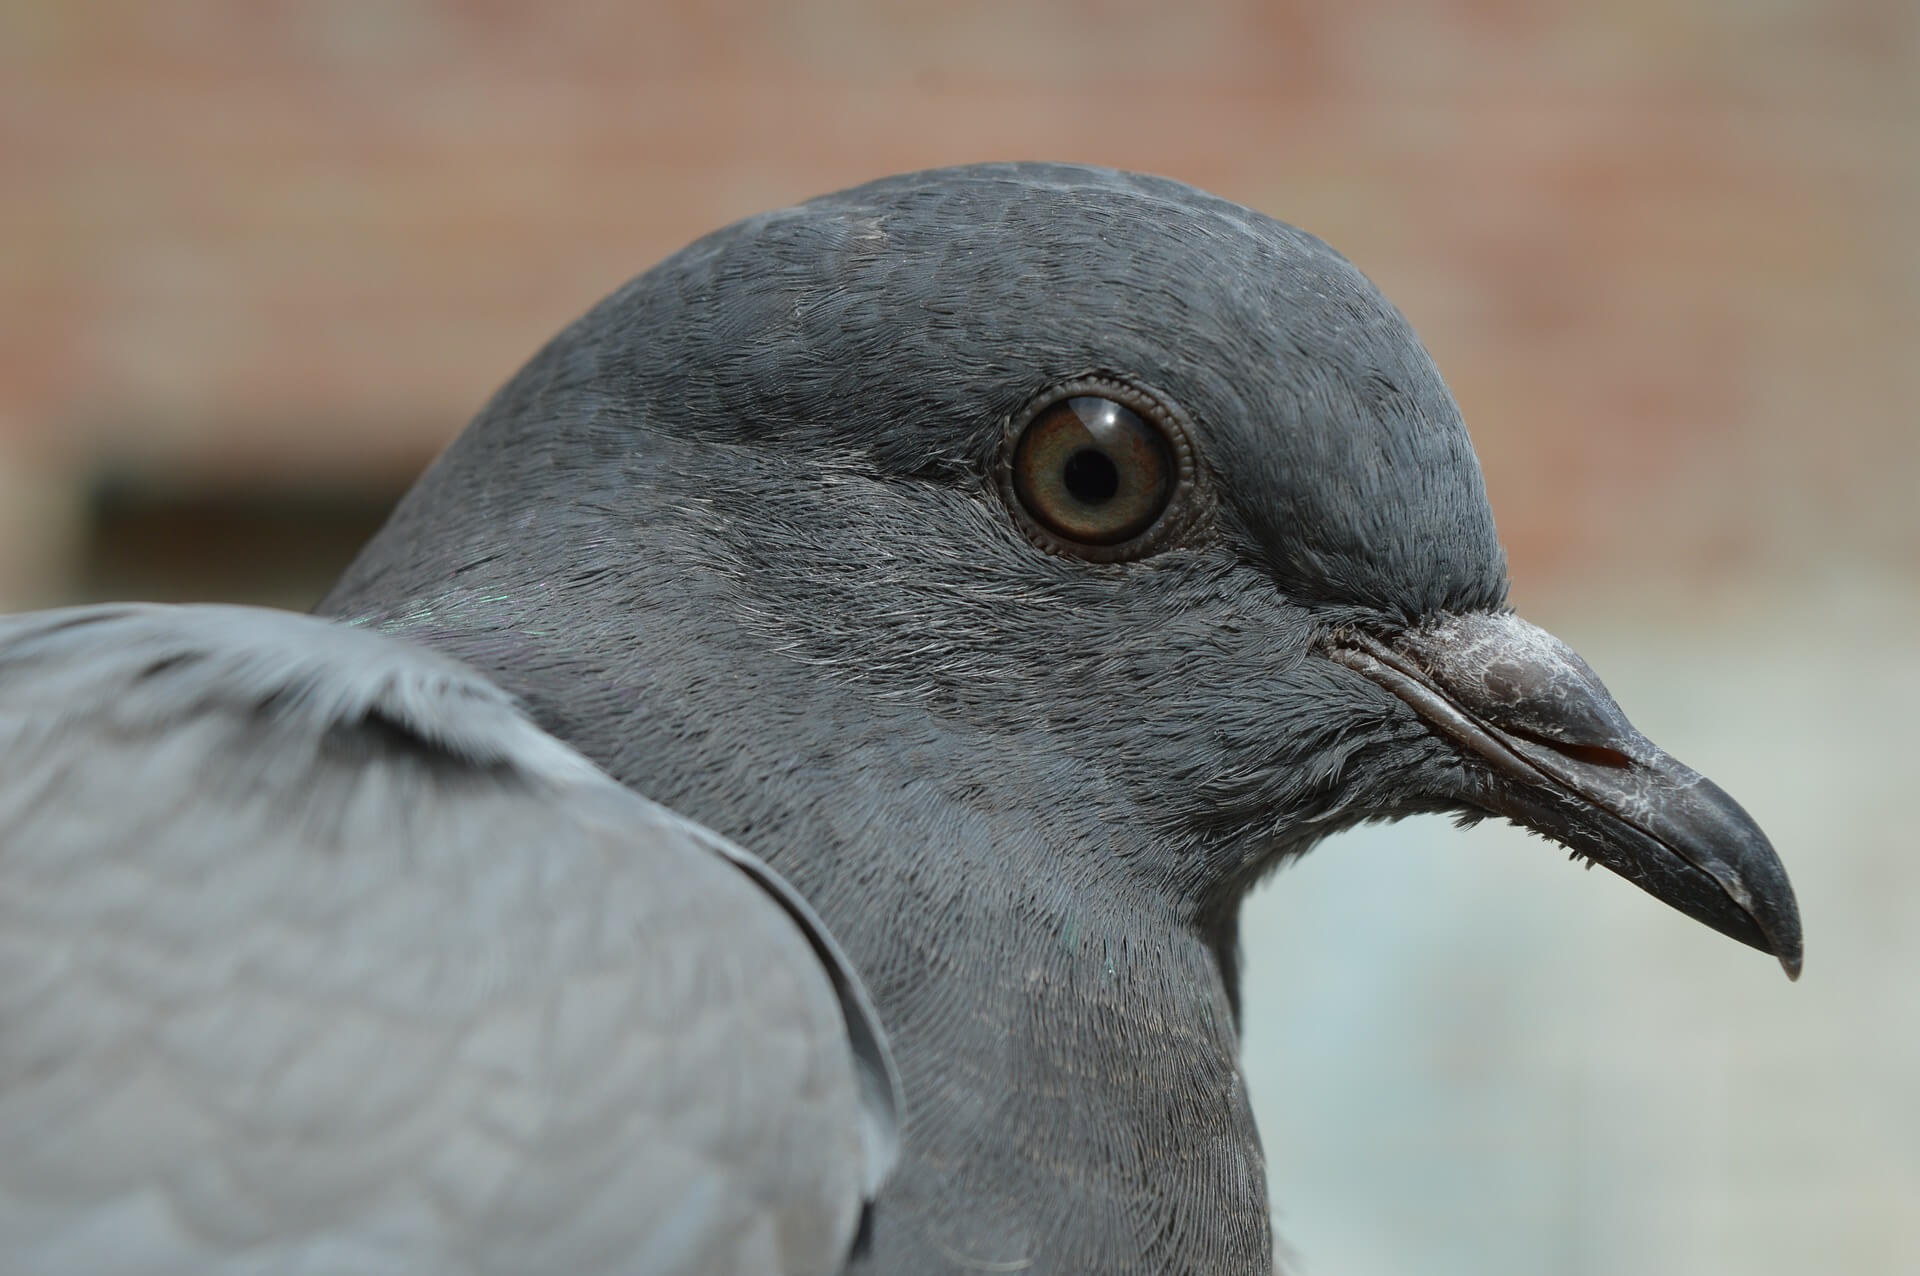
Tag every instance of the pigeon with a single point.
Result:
(1021, 561)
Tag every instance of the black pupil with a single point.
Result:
(1090, 476)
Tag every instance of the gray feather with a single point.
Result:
(316, 955)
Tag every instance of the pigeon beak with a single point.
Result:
(1561, 759)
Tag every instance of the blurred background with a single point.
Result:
(259, 261)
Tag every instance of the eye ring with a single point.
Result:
(1099, 468)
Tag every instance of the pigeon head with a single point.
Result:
(1135, 519)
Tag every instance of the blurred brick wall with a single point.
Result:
(1665, 252)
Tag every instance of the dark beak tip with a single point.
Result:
(1771, 922)
(1778, 935)
(1774, 917)
(1773, 932)
(1777, 914)
(1787, 948)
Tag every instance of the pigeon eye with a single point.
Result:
(1093, 466)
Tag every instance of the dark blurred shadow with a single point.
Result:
(276, 547)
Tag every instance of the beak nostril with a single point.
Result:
(1592, 754)
(1596, 754)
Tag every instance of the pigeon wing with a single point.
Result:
(317, 956)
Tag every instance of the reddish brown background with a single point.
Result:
(1665, 253)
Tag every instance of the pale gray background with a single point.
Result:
(1469, 1056)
